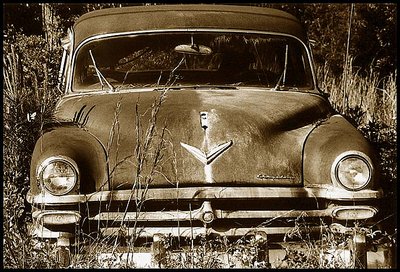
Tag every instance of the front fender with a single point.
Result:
(327, 141)
(77, 144)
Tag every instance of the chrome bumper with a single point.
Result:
(207, 193)
(50, 211)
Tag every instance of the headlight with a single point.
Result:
(58, 174)
(353, 170)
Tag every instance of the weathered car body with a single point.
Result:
(184, 155)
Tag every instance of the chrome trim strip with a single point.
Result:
(189, 232)
(197, 215)
(68, 85)
(142, 32)
(208, 193)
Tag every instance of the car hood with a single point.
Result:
(198, 137)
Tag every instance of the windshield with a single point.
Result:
(192, 59)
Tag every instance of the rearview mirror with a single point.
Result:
(193, 49)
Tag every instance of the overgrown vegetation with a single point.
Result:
(367, 98)
(29, 96)
(369, 102)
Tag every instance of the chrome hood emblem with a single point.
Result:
(210, 156)
(207, 158)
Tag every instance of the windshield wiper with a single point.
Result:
(197, 87)
(220, 87)
(282, 78)
(278, 84)
(100, 75)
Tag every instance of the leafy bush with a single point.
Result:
(29, 96)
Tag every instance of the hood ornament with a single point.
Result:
(204, 119)
(207, 158)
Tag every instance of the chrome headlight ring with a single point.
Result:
(352, 170)
(58, 174)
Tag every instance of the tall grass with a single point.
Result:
(29, 96)
(364, 98)
(370, 103)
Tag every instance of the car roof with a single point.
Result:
(186, 16)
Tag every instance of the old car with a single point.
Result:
(184, 121)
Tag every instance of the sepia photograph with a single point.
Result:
(200, 136)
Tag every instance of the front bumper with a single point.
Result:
(190, 213)
(228, 211)
(207, 193)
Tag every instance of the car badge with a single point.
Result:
(207, 158)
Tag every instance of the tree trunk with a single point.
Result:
(49, 23)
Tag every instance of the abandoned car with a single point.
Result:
(182, 121)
